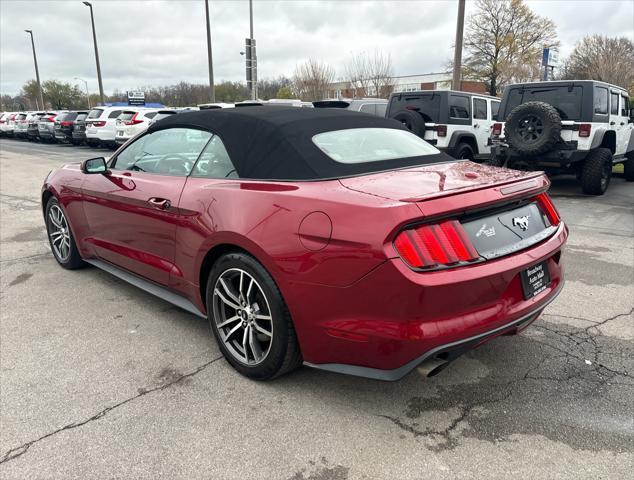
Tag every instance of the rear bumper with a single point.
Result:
(562, 157)
(391, 320)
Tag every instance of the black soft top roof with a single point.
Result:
(275, 142)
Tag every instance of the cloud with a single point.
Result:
(163, 42)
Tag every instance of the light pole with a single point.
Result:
(457, 57)
(212, 88)
(37, 72)
(251, 56)
(87, 92)
(94, 37)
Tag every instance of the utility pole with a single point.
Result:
(252, 59)
(212, 88)
(37, 72)
(94, 37)
(456, 84)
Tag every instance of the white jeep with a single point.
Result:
(458, 123)
(582, 127)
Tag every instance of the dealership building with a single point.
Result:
(406, 83)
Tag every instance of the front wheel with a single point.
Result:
(249, 318)
(596, 172)
(60, 237)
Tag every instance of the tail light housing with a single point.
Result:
(48, 119)
(134, 120)
(547, 206)
(585, 129)
(435, 246)
(497, 129)
(98, 124)
(65, 124)
(441, 130)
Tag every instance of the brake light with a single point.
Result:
(49, 119)
(548, 208)
(98, 124)
(441, 130)
(430, 246)
(65, 124)
(133, 120)
(497, 129)
(584, 129)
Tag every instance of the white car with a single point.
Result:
(22, 124)
(458, 123)
(7, 122)
(101, 128)
(131, 122)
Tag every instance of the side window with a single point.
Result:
(368, 108)
(495, 108)
(114, 114)
(614, 103)
(150, 115)
(601, 100)
(458, 106)
(479, 108)
(214, 162)
(625, 106)
(172, 151)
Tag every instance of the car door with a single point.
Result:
(132, 211)
(616, 122)
(481, 124)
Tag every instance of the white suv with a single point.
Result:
(458, 123)
(131, 122)
(571, 126)
(101, 126)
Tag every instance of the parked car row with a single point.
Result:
(100, 126)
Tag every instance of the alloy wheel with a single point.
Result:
(59, 233)
(530, 128)
(242, 316)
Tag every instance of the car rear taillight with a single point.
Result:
(497, 129)
(548, 208)
(134, 120)
(65, 124)
(441, 130)
(435, 245)
(48, 119)
(98, 124)
(584, 129)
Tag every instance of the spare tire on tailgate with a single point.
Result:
(412, 120)
(533, 128)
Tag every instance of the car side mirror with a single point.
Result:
(94, 165)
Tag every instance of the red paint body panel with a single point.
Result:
(351, 297)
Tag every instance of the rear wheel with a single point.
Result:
(60, 237)
(596, 172)
(249, 318)
(628, 168)
(464, 152)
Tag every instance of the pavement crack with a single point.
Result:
(16, 452)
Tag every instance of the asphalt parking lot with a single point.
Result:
(101, 380)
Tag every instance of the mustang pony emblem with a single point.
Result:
(521, 222)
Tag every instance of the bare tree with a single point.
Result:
(371, 74)
(602, 58)
(504, 41)
(312, 79)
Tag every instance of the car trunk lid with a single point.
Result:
(418, 184)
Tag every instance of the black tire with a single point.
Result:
(283, 354)
(533, 128)
(596, 172)
(464, 151)
(72, 260)
(628, 167)
(412, 120)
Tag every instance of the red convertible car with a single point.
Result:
(328, 237)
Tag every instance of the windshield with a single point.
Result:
(95, 113)
(363, 145)
(566, 99)
(428, 105)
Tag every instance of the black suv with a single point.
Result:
(65, 124)
(581, 127)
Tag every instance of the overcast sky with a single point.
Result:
(163, 42)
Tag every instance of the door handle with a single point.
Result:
(622, 123)
(611, 123)
(476, 125)
(160, 203)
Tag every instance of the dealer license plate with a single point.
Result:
(535, 280)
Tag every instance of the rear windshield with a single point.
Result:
(22, 116)
(363, 145)
(126, 116)
(62, 117)
(428, 105)
(95, 113)
(567, 100)
(69, 117)
(160, 116)
(81, 116)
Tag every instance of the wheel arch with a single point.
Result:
(609, 140)
(462, 136)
